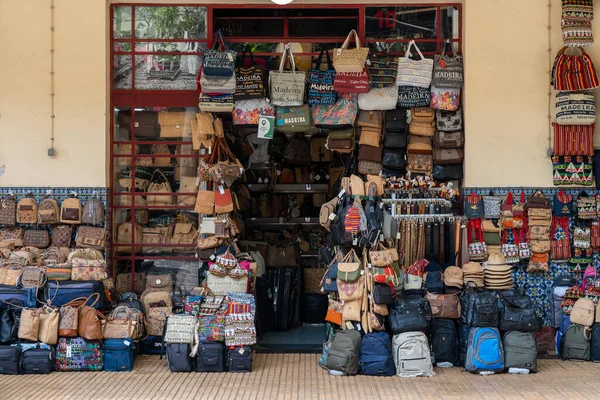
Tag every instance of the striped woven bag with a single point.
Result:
(573, 140)
(573, 72)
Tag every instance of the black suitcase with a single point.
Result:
(10, 360)
(37, 361)
(210, 357)
(264, 305)
(239, 359)
(314, 308)
(178, 356)
(284, 290)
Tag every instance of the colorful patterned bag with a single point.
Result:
(212, 328)
(341, 115)
(573, 73)
(572, 170)
(320, 83)
(573, 140)
(447, 99)
(78, 354)
(248, 112)
(383, 71)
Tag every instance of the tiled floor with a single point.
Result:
(297, 376)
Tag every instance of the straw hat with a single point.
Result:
(453, 276)
(472, 268)
(496, 259)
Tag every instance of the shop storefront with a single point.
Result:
(249, 174)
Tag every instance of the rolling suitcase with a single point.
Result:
(151, 346)
(178, 356)
(210, 357)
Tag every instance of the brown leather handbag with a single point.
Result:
(90, 320)
(444, 305)
(448, 156)
(69, 317)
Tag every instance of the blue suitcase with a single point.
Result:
(119, 354)
(62, 292)
(25, 295)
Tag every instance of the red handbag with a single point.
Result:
(573, 140)
(560, 249)
(223, 201)
(352, 82)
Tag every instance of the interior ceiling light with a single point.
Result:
(282, 2)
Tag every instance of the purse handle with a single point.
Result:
(248, 50)
(320, 58)
(408, 53)
(218, 37)
(161, 174)
(347, 41)
(444, 48)
(287, 53)
(96, 296)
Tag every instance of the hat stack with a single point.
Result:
(453, 279)
(498, 274)
(473, 274)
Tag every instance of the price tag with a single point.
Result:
(355, 242)
(221, 190)
(327, 177)
(317, 177)
(241, 350)
(308, 187)
(127, 343)
(331, 216)
(278, 172)
(381, 206)
(339, 52)
(341, 193)
(369, 265)
(381, 237)
(266, 180)
(209, 149)
(306, 219)
(260, 180)
(266, 127)
(358, 327)
(398, 235)
(362, 271)
(230, 57)
(241, 170)
(69, 351)
(212, 257)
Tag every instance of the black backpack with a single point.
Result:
(410, 315)
(519, 315)
(444, 341)
(479, 309)
(297, 151)
(374, 215)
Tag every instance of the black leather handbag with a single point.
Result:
(410, 314)
(448, 172)
(394, 159)
(9, 326)
(395, 120)
(383, 294)
(479, 309)
(395, 140)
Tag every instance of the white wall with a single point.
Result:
(505, 97)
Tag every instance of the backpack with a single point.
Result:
(575, 344)
(27, 211)
(93, 212)
(463, 343)
(151, 297)
(479, 309)
(48, 211)
(276, 145)
(411, 355)
(565, 322)
(318, 151)
(520, 350)
(595, 345)
(344, 352)
(376, 355)
(70, 211)
(9, 321)
(410, 314)
(296, 151)
(130, 300)
(444, 341)
(484, 351)
(583, 312)
(519, 317)
(8, 211)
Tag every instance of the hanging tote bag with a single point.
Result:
(248, 112)
(379, 99)
(414, 72)
(352, 82)
(287, 87)
(249, 79)
(219, 62)
(446, 99)
(575, 108)
(341, 115)
(350, 60)
(573, 140)
(447, 70)
(383, 71)
(320, 83)
(573, 72)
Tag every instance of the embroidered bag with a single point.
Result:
(379, 99)
(383, 71)
(474, 208)
(449, 121)
(573, 72)
(561, 244)
(586, 207)
(572, 170)
(491, 206)
(563, 205)
(445, 99)
(577, 32)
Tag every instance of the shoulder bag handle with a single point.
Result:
(320, 58)
(160, 173)
(347, 41)
(218, 36)
(408, 53)
(445, 47)
(241, 59)
(93, 295)
(287, 53)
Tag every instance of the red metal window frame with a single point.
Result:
(132, 98)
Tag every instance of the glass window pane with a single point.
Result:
(252, 27)
(400, 47)
(170, 22)
(122, 124)
(170, 47)
(321, 27)
(401, 22)
(122, 46)
(166, 72)
(122, 72)
(122, 22)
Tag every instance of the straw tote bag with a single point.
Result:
(350, 60)
(159, 187)
(287, 87)
(414, 72)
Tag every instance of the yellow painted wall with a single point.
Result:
(505, 97)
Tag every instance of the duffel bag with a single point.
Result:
(410, 314)
(37, 361)
(519, 319)
(63, 292)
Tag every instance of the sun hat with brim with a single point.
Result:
(497, 268)
(453, 275)
(497, 273)
(471, 267)
(496, 259)
(498, 280)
